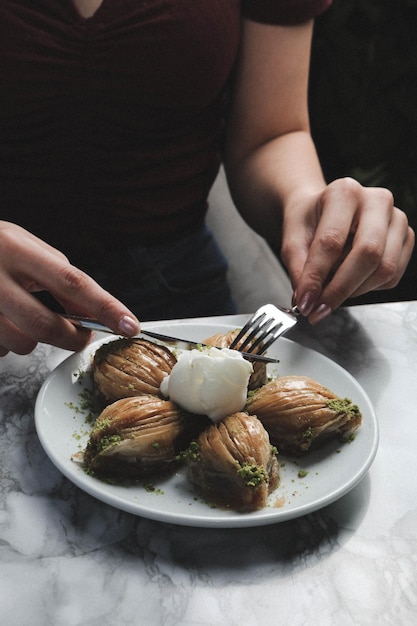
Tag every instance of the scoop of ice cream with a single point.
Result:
(209, 381)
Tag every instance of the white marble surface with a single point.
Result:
(67, 559)
(261, 277)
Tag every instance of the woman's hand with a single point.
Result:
(343, 242)
(27, 265)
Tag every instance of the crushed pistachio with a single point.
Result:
(308, 433)
(150, 488)
(192, 453)
(106, 442)
(102, 424)
(253, 475)
(344, 406)
(349, 438)
(73, 407)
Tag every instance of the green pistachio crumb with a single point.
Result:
(150, 488)
(348, 438)
(106, 442)
(344, 406)
(253, 475)
(308, 433)
(192, 453)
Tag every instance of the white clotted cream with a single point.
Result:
(209, 381)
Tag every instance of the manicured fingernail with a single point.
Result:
(322, 311)
(128, 326)
(307, 302)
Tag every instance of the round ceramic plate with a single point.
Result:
(307, 484)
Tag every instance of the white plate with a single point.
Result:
(331, 471)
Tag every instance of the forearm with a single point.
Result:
(270, 158)
(273, 179)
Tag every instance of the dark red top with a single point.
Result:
(111, 126)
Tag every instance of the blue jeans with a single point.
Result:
(184, 277)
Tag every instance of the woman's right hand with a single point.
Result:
(27, 265)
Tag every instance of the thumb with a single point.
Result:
(294, 252)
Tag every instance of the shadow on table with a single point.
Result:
(344, 340)
(261, 549)
(341, 337)
(92, 526)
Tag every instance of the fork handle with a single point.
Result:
(86, 322)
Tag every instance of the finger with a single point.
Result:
(297, 234)
(397, 254)
(13, 235)
(329, 241)
(386, 274)
(367, 249)
(299, 227)
(33, 323)
(13, 340)
(53, 273)
(81, 293)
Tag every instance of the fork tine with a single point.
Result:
(256, 328)
(258, 334)
(273, 337)
(272, 328)
(247, 328)
(264, 327)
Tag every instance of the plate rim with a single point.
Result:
(266, 516)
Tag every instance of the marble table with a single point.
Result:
(67, 559)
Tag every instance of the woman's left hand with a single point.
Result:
(343, 242)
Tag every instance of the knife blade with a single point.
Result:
(184, 344)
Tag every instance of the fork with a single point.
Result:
(264, 327)
(93, 324)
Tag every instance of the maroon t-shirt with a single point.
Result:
(111, 127)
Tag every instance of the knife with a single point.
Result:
(185, 344)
